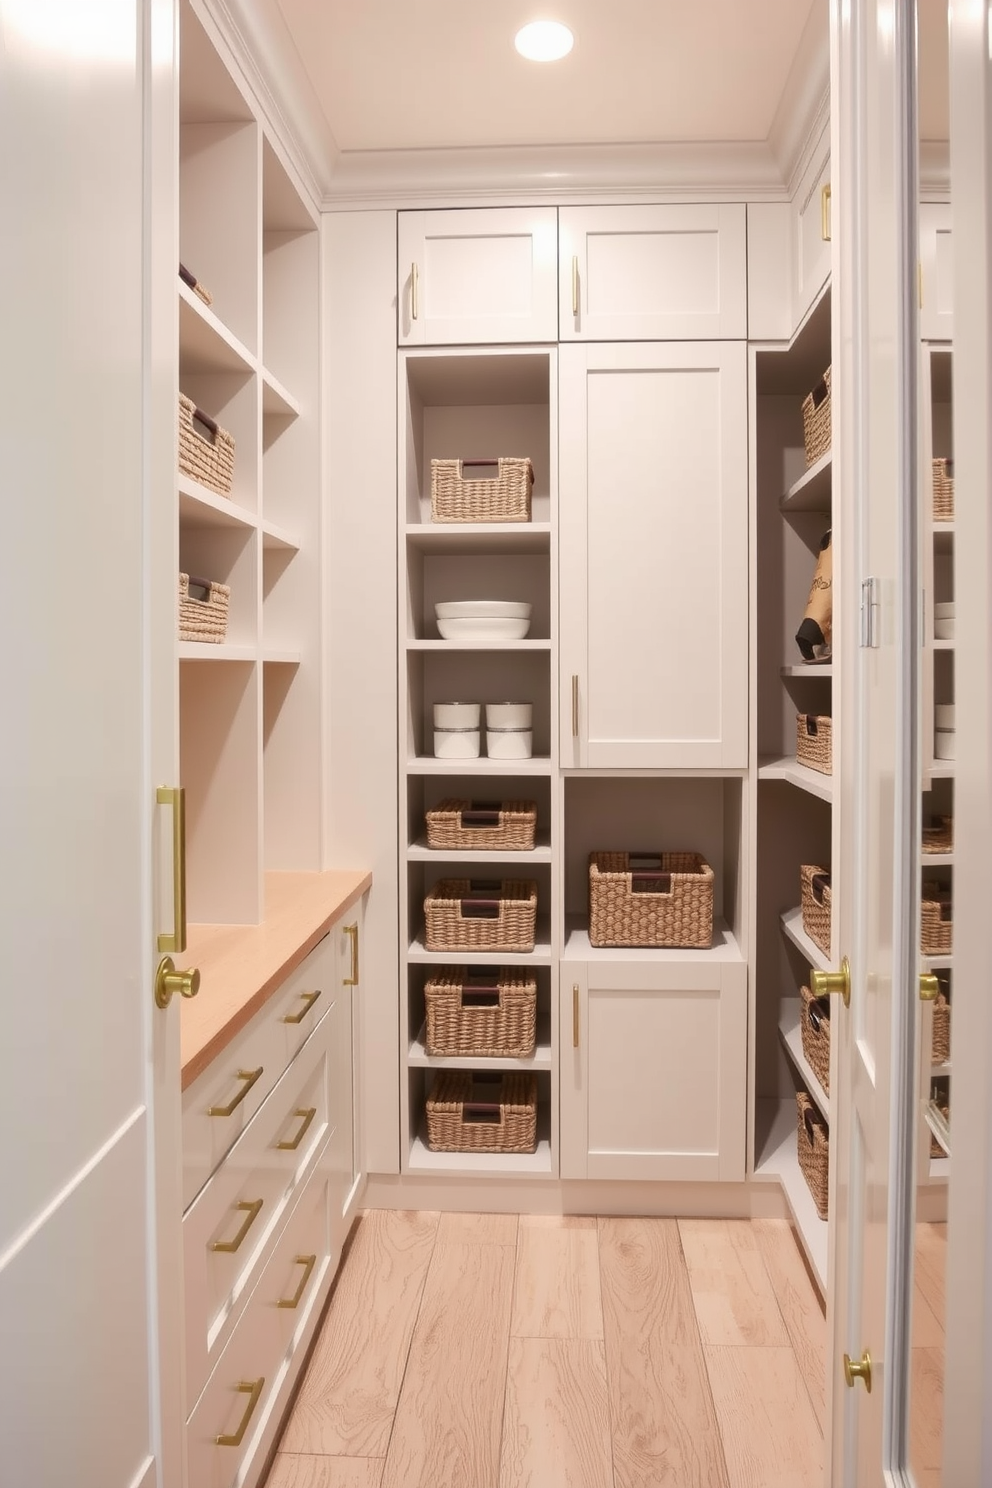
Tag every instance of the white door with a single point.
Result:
(875, 204)
(89, 1220)
(653, 555)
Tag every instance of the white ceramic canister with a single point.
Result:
(509, 744)
(456, 743)
(457, 715)
(943, 621)
(509, 715)
(944, 736)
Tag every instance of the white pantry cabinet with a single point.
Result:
(653, 1073)
(653, 556)
(477, 277)
(811, 232)
(652, 273)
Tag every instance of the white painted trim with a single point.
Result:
(803, 110)
(935, 171)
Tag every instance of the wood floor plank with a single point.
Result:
(926, 1408)
(486, 1229)
(446, 1433)
(800, 1306)
(293, 1470)
(770, 1435)
(928, 1330)
(662, 1416)
(731, 1290)
(930, 1265)
(557, 1292)
(346, 1403)
(556, 1428)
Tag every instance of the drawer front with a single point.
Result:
(227, 1232)
(255, 1372)
(219, 1105)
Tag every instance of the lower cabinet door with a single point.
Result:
(236, 1418)
(653, 1068)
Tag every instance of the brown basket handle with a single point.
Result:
(819, 1011)
(809, 1124)
(477, 995)
(643, 881)
(481, 814)
(187, 278)
(211, 425)
(819, 884)
(820, 392)
(480, 909)
(811, 728)
(482, 1111)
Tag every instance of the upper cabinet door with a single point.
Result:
(811, 240)
(477, 277)
(653, 556)
(652, 273)
(936, 273)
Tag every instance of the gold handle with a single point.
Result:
(823, 983)
(575, 284)
(308, 1263)
(308, 1114)
(575, 705)
(169, 982)
(352, 932)
(825, 213)
(929, 987)
(252, 1208)
(575, 1015)
(249, 1076)
(414, 296)
(862, 1371)
(253, 1388)
(309, 998)
(175, 796)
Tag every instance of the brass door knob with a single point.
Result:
(859, 1371)
(929, 987)
(822, 983)
(169, 982)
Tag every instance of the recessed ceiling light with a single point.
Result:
(544, 41)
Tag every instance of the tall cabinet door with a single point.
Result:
(477, 277)
(653, 554)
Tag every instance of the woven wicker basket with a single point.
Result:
(816, 420)
(813, 741)
(816, 905)
(935, 921)
(202, 609)
(657, 899)
(814, 1027)
(465, 914)
(198, 289)
(206, 451)
(464, 825)
(474, 1113)
(502, 498)
(935, 1148)
(938, 837)
(489, 1011)
(813, 1142)
(943, 490)
(940, 1037)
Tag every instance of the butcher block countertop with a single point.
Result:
(242, 965)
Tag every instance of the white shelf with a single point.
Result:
(201, 507)
(579, 948)
(936, 860)
(938, 963)
(541, 1059)
(938, 1124)
(468, 538)
(942, 770)
(479, 645)
(277, 537)
(539, 956)
(808, 669)
(280, 656)
(277, 399)
(790, 1032)
(788, 768)
(205, 343)
(778, 1158)
(936, 1070)
(792, 926)
(943, 645)
(812, 492)
(943, 535)
(209, 651)
(419, 852)
(480, 1164)
(426, 764)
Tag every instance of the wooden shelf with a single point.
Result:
(480, 1164)
(788, 768)
(808, 669)
(790, 1033)
(792, 926)
(205, 343)
(579, 948)
(427, 765)
(201, 507)
(463, 539)
(812, 491)
(419, 852)
(539, 956)
(777, 1157)
(541, 1059)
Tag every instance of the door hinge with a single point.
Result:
(869, 613)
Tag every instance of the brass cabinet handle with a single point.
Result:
(575, 705)
(175, 796)
(929, 987)
(858, 1371)
(169, 981)
(825, 213)
(352, 932)
(249, 1077)
(822, 983)
(309, 998)
(308, 1263)
(414, 296)
(252, 1208)
(308, 1113)
(254, 1389)
(575, 284)
(575, 1015)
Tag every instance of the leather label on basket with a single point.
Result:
(644, 882)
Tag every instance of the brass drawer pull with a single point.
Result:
(249, 1077)
(414, 295)
(228, 1247)
(575, 705)
(254, 1389)
(309, 998)
(825, 213)
(575, 285)
(352, 932)
(308, 1114)
(174, 796)
(575, 1015)
(308, 1263)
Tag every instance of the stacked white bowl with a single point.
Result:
(509, 730)
(456, 730)
(483, 619)
(943, 621)
(943, 736)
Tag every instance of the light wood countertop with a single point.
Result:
(242, 965)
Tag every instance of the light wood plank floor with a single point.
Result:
(490, 1351)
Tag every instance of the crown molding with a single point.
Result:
(803, 111)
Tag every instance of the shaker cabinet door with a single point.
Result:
(653, 556)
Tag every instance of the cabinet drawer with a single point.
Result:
(219, 1105)
(274, 1327)
(226, 1232)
